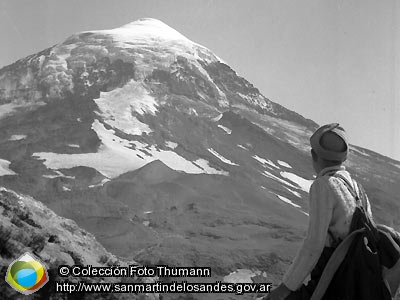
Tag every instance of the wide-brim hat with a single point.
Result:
(327, 152)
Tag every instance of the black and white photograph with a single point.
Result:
(196, 150)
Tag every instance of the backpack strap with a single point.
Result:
(333, 264)
(348, 185)
(358, 193)
(362, 202)
(354, 193)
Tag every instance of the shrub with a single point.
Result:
(37, 242)
(33, 223)
(76, 257)
(53, 239)
(5, 247)
(16, 221)
(103, 259)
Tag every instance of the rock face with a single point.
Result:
(27, 225)
(159, 149)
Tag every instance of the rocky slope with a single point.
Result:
(27, 225)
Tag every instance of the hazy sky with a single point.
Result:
(331, 61)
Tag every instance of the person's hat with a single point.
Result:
(330, 142)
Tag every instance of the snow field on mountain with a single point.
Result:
(144, 31)
(171, 145)
(8, 108)
(150, 38)
(304, 184)
(223, 159)
(217, 118)
(204, 165)
(272, 176)
(58, 174)
(152, 35)
(17, 137)
(104, 181)
(301, 182)
(293, 192)
(288, 201)
(226, 129)
(5, 168)
(284, 199)
(265, 161)
(284, 164)
(242, 147)
(118, 106)
(116, 156)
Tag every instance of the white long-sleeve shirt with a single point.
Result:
(331, 210)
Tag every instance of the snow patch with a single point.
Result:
(9, 108)
(303, 183)
(297, 194)
(150, 30)
(259, 101)
(116, 156)
(226, 129)
(204, 165)
(171, 145)
(59, 174)
(265, 161)
(103, 182)
(193, 112)
(242, 147)
(225, 160)
(73, 146)
(284, 164)
(217, 118)
(240, 276)
(118, 107)
(17, 137)
(284, 199)
(5, 168)
(272, 176)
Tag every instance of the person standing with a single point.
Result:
(330, 215)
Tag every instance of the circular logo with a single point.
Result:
(27, 274)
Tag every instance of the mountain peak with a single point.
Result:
(145, 29)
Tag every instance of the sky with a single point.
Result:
(330, 61)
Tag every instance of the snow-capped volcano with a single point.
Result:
(164, 153)
(146, 30)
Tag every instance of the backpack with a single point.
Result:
(354, 270)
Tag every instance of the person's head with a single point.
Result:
(329, 146)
